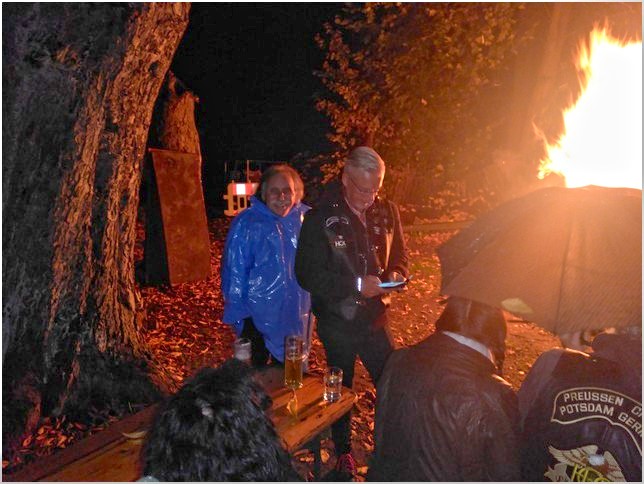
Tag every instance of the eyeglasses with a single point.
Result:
(371, 193)
(276, 192)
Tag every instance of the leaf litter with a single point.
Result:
(184, 332)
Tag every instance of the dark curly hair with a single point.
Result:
(215, 429)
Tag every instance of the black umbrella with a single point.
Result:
(568, 259)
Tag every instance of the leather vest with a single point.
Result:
(360, 252)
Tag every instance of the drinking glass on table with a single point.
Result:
(293, 361)
(332, 384)
(243, 350)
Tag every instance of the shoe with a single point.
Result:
(346, 467)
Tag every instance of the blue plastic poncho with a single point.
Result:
(258, 278)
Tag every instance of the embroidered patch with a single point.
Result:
(583, 464)
(339, 242)
(331, 220)
(586, 403)
(335, 219)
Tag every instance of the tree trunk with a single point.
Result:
(79, 85)
(174, 120)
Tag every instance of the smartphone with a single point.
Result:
(395, 285)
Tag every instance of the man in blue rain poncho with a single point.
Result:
(262, 299)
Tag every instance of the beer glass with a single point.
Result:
(293, 361)
(242, 350)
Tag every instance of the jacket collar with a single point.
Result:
(260, 207)
(455, 354)
(472, 343)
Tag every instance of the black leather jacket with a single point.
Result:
(443, 415)
(583, 413)
(334, 249)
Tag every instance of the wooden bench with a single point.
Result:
(111, 456)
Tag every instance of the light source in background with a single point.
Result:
(602, 139)
(245, 188)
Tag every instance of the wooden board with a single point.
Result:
(111, 456)
(183, 215)
(61, 466)
(313, 414)
(437, 226)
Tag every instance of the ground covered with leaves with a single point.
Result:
(184, 332)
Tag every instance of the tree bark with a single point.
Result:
(174, 120)
(79, 85)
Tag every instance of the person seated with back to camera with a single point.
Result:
(581, 409)
(215, 429)
(442, 411)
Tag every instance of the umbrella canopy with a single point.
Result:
(568, 259)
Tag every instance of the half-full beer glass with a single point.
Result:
(293, 361)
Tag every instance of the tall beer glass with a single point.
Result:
(293, 361)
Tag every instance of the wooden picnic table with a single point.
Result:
(112, 456)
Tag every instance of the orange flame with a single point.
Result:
(602, 140)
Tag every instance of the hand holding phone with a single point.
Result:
(392, 284)
(395, 284)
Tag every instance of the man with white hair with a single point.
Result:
(349, 245)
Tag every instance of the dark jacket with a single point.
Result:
(443, 415)
(334, 249)
(583, 413)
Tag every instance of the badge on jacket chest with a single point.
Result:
(339, 242)
(335, 219)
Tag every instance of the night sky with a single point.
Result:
(251, 65)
